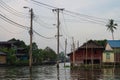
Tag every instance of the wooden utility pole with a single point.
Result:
(78, 44)
(58, 33)
(86, 54)
(31, 35)
(65, 52)
(73, 51)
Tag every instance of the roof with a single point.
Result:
(6, 43)
(114, 43)
(91, 44)
(2, 53)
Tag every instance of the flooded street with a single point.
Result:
(51, 73)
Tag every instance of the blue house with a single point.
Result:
(112, 52)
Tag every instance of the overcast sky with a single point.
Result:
(88, 23)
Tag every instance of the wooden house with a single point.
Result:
(21, 53)
(5, 44)
(112, 52)
(89, 53)
(3, 58)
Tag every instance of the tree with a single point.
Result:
(11, 57)
(49, 54)
(111, 26)
(62, 56)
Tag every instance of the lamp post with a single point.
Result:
(31, 34)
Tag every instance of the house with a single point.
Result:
(90, 52)
(3, 58)
(20, 53)
(112, 52)
(5, 44)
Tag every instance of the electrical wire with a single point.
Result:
(10, 31)
(11, 10)
(89, 18)
(40, 3)
(65, 26)
(43, 24)
(82, 18)
(12, 22)
(43, 36)
(21, 26)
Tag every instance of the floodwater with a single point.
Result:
(51, 73)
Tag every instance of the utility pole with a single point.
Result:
(65, 51)
(86, 54)
(31, 35)
(58, 33)
(73, 51)
(78, 44)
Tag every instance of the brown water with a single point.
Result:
(51, 73)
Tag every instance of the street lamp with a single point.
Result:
(31, 33)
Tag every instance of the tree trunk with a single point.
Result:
(112, 36)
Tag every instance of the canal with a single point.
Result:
(50, 73)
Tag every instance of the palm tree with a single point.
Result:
(111, 26)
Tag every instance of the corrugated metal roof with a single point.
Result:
(114, 43)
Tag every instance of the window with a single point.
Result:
(107, 55)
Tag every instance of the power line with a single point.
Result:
(49, 6)
(89, 18)
(10, 31)
(65, 25)
(85, 15)
(11, 10)
(43, 36)
(43, 24)
(22, 26)
(12, 22)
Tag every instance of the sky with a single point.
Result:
(86, 21)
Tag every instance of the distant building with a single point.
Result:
(5, 44)
(21, 53)
(90, 52)
(3, 58)
(112, 52)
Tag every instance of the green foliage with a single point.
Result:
(111, 26)
(101, 42)
(62, 56)
(11, 57)
(49, 54)
(18, 43)
(38, 55)
(41, 55)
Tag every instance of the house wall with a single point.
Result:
(117, 57)
(108, 47)
(2, 59)
(108, 57)
(92, 54)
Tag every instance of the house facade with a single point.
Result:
(89, 53)
(20, 53)
(3, 58)
(112, 52)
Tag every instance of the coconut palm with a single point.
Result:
(111, 26)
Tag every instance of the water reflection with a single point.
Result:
(96, 74)
(51, 73)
